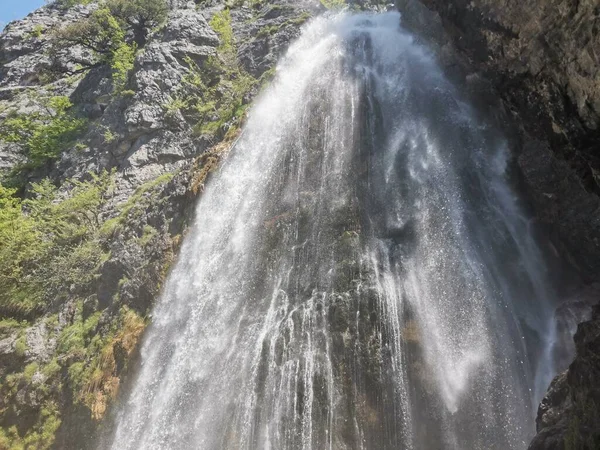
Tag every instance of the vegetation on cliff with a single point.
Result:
(51, 245)
(42, 134)
(113, 33)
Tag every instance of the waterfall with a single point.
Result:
(359, 274)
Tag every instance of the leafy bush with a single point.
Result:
(43, 136)
(221, 24)
(121, 64)
(70, 3)
(37, 31)
(93, 377)
(51, 245)
(112, 34)
(140, 16)
(213, 95)
(100, 33)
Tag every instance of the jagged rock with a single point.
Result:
(575, 309)
(568, 417)
(189, 26)
(10, 358)
(10, 156)
(40, 344)
(23, 43)
(563, 204)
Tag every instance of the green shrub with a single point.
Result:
(100, 33)
(113, 33)
(70, 3)
(109, 136)
(148, 234)
(51, 245)
(43, 136)
(36, 31)
(221, 24)
(212, 96)
(30, 370)
(51, 369)
(40, 437)
(21, 346)
(139, 16)
(121, 64)
(333, 4)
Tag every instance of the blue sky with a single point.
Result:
(16, 9)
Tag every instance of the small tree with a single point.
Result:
(140, 15)
(101, 33)
(114, 24)
(43, 136)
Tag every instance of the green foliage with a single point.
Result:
(74, 339)
(50, 245)
(92, 377)
(137, 203)
(121, 64)
(107, 28)
(40, 437)
(113, 33)
(149, 233)
(333, 4)
(36, 31)
(43, 136)
(7, 326)
(70, 3)
(51, 369)
(174, 105)
(221, 24)
(30, 370)
(139, 16)
(213, 95)
(109, 136)
(53, 251)
(21, 346)
(101, 33)
(268, 31)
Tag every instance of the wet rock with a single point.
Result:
(539, 60)
(568, 416)
(564, 205)
(536, 59)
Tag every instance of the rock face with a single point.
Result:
(541, 59)
(568, 417)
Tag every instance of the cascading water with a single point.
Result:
(358, 275)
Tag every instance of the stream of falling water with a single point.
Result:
(358, 275)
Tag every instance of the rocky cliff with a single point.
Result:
(541, 60)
